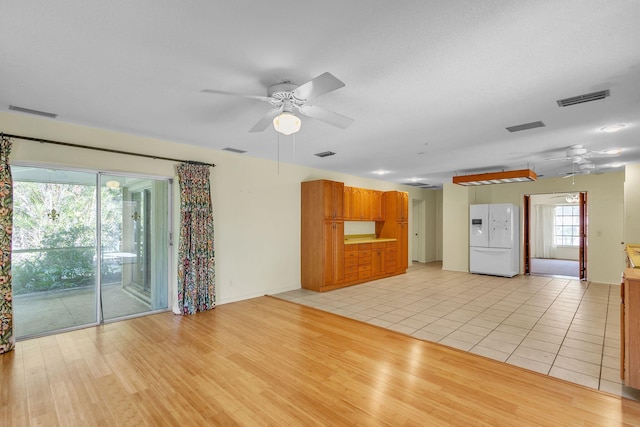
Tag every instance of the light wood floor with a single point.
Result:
(271, 362)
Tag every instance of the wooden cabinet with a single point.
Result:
(377, 207)
(347, 203)
(350, 264)
(396, 226)
(630, 327)
(391, 258)
(333, 273)
(364, 261)
(361, 204)
(378, 257)
(326, 262)
(322, 235)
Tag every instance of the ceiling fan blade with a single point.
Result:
(320, 85)
(222, 92)
(569, 175)
(266, 120)
(327, 116)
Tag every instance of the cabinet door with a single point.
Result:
(357, 200)
(403, 206)
(333, 195)
(333, 271)
(366, 205)
(347, 202)
(378, 260)
(377, 211)
(402, 246)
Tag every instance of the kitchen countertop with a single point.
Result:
(365, 238)
(633, 252)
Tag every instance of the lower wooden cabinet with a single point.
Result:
(630, 328)
(369, 261)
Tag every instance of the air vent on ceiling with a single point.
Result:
(420, 184)
(325, 154)
(583, 98)
(234, 150)
(30, 111)
(526, 126)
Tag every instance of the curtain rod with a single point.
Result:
(108, 150)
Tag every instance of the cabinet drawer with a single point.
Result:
(362, 268)
(390, 245)
(364, 246)
(378, 245)
(350, 248)
(348, 262)
(390, 262)
(351, 277)
(364, 274)
(364, 254)
(351, 269)
(353, 255)
(390, 252)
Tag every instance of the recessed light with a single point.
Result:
(613, 128)
(613, 151)
(381, 172)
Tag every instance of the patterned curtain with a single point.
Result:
(196, 265)
(7, 339)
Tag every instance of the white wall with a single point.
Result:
(632, 204)
(256, 208)
(455, 228)
(605, 259)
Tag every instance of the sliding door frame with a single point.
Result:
(99, 320)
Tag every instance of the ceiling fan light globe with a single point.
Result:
(286, 123)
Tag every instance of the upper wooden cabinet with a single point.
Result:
(361, 204)
(333, 197)
(396, 205)
(377, 207)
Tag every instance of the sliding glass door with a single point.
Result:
(134, 242)
(82, 256)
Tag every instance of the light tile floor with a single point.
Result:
(559, 327)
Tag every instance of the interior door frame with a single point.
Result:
(583, 227)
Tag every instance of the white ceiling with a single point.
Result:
(450, 74)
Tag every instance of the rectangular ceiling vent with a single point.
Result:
(234, 150)
(526, 126)
(325, 154)
(30, 111)
(420, 184)
(583, 98)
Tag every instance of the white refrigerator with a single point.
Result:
(494, 239)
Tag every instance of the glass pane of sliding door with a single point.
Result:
(134, 242)
(54, 249)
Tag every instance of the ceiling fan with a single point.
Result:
(580, 155)
(584, 168)
(287, 98)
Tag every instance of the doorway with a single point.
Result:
(87, 248)
(555, 235)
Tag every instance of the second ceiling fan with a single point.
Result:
(287, 98)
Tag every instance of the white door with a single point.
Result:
(500, 218)
(479, 225)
